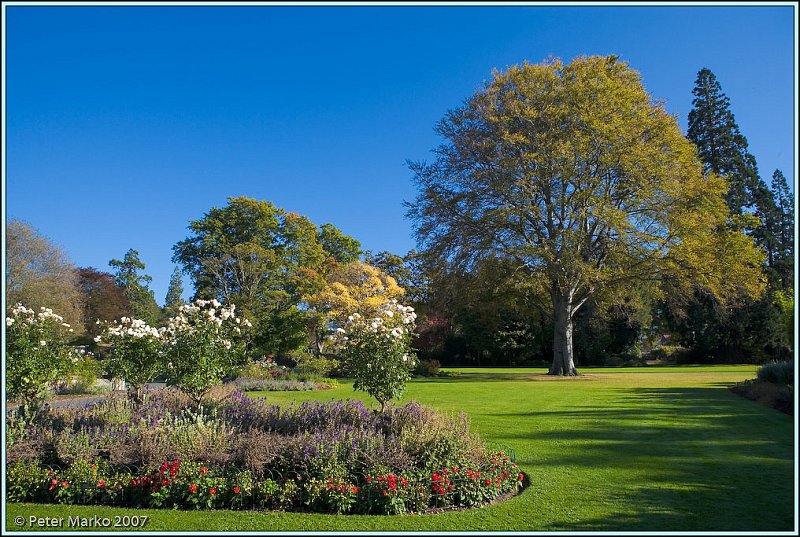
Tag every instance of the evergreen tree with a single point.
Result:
(174, 299)
(784, 203)
(745, 330)
(127, 276)
(722, 148)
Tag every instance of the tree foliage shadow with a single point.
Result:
(703, 460)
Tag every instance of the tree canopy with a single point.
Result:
(264, 260)
(129, 274)
(39, 274)
(575, 174)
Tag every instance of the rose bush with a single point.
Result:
(36, 354)
(377, 352)
(136, 352)
(202, 344)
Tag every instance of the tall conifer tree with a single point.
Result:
(784, 203)
(174, 298)
(723, 149)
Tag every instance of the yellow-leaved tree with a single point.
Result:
(574, 174)
(348, 288)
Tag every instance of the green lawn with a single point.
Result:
(649, 449)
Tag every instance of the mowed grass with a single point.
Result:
(649, 449)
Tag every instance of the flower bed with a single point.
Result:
(240, 453)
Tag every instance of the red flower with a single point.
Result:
(385, 493)
(330, 486)
(165, 482)
(64, 484)
(54, 482)
(236, 490)
(521, 475)
(449, 487)
(192, 488)
(455, 469)
(213, 490)
(203, 470)
(354, 489)
(134, 482)
(488, 481)
(101, 483)
(369, 479)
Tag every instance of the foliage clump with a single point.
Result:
(241, 453)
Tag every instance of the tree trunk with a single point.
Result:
(563, 363)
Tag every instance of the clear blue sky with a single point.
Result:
(124, 123)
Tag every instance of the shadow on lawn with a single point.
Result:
(675, 458)
(484, 376)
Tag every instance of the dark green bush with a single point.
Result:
(427, 368)
(777, 372)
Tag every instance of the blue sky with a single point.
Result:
(126, 122)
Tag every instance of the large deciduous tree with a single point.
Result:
(40, 274)
(103, 299)
(576, 175)
(264, 260)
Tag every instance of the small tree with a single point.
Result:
(349, 288)
(36, 354)
(135, 352)
(174, 299)
(377, 351)
(135, 284)
(202, 345)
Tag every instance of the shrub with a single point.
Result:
(428, 368)
(26, 481)
(377, 351)
(335, 457)
(135, 355)
(665, 352)
(247, 384)
(330, 496)
(36, 354)
(83, 376)
(308, 363)
(777, 372)
(263, 370)
(203, 346)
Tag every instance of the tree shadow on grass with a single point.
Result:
(530, 375)
(690, 459)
